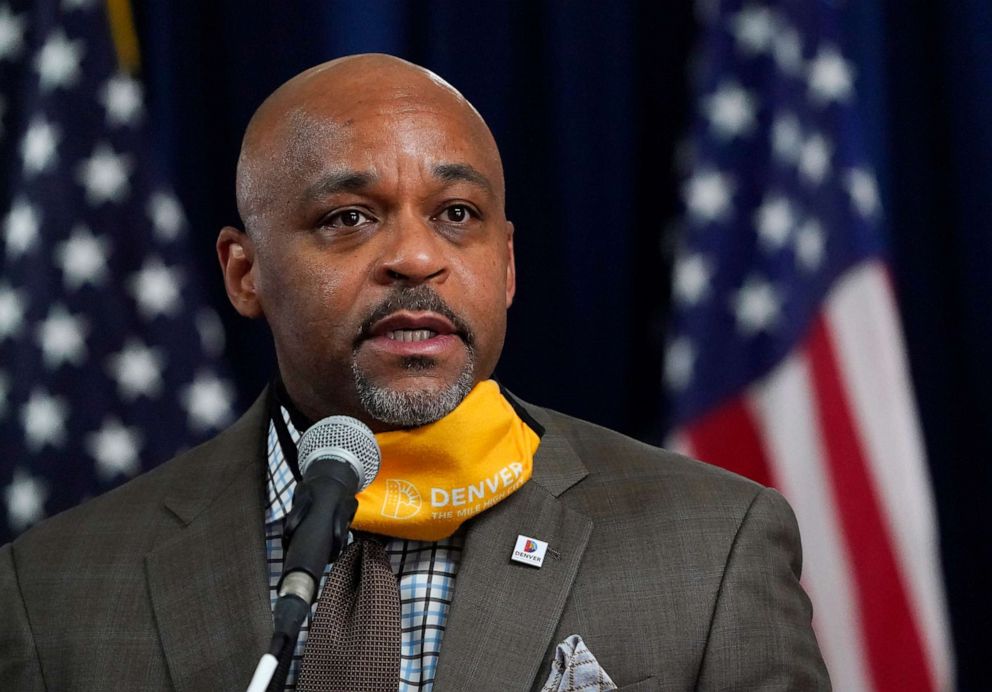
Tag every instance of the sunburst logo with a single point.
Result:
(402, 499)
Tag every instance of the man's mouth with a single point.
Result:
(408, 333)
(413, 319)
(407, 325)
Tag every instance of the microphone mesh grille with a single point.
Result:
(328, 437)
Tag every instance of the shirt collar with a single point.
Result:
(280, 482)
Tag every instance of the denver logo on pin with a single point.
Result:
(529, 551)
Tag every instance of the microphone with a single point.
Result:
(338, 458)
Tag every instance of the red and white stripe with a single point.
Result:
(835, 428)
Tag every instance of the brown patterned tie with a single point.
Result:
(354, 639)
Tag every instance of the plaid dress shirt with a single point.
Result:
(425, 571)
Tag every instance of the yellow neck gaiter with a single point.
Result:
(435, 477)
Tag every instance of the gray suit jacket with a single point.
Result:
(677, 576)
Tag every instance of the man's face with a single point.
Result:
(383, 261)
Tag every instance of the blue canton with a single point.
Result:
(780, 199)
(110, 358)
(425, 571)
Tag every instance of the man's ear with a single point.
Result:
(236, 253)
(511, 267)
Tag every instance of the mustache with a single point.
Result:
(422, 298)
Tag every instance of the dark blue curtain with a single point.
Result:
(588, 101)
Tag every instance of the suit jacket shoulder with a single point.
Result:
(691, 573)
(611, 457)
(136, 516)
(151, 567)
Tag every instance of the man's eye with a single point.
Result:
(347, 218)
(456, 213)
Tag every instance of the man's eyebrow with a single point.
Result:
(453, 172)
(340, 181)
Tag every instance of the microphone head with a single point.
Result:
(345, 439)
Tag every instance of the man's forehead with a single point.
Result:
(343, 114)
(366, 136)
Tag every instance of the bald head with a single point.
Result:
(296, 130)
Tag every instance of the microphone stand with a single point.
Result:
(304, 565)
(288, 615)
(338, 455)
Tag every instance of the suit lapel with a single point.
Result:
(208, 582)
(504, 613)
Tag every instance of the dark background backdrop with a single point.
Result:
(588, 101)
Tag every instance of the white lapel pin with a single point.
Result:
(529, 551)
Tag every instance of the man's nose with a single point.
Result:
(413, 253)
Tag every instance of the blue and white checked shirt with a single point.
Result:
(425, 571)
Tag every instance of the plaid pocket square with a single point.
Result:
(575, 669)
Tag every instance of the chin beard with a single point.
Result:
(411, 409)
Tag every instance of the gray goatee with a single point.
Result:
(416, 408)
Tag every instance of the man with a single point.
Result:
(377, 249)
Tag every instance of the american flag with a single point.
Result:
(785, 359)
(109, 358)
